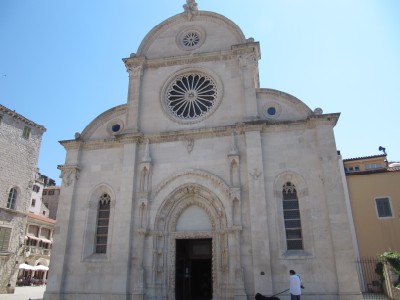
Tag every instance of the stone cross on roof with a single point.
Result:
(190, 8)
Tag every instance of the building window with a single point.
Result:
(5, 235)
(26, 133)
(352, 169)
(44, 193)
(103, 219)
(191, 96)
(383, 208)
(12, 198)
(36, 188)
(373, 166)
(33, 203)
(191, 38)
(291, 214)
(1, 118)
(51, 192)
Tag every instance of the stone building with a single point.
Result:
(20, 141)
(50, 199)
(203, 185)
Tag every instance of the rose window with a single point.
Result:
(191, 96)
(191, 39)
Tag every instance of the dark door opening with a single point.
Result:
(193, 269)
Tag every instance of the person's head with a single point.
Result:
(291, 272)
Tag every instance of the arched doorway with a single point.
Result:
(192, 228)
(193, 269)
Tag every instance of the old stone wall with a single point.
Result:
(20, 141)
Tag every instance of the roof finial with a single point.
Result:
(191, 8)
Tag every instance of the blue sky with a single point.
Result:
(60, 61)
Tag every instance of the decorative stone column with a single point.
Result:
(141, 215)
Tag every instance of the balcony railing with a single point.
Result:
(34, 250)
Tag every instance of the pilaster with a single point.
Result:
(134, 66)
(60, 254)
(258, 210)
(248, 62)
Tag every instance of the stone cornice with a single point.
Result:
(237, 50)
(202, 133)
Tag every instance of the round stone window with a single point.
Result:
(272, 110)
(191, 95)
(115, 126)
(190, 38)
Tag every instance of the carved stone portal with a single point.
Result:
(166, 233)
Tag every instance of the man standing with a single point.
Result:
(295, 285)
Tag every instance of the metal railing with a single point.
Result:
(370, 270)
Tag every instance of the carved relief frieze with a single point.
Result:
(189, 144)
(197, 58)
(192, 172)
(69, 173)
(255, 174)
(134, 66)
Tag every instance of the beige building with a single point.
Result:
(20, 141)
(203, 185)
(374, 189)
(37, 252)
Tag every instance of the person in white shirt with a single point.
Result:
(295, 285)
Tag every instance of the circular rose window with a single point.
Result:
(191, 96)
(190, 38)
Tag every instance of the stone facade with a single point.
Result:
(193, 168)
(50, 198)
(20, 141)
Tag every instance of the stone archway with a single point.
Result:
(190, 199)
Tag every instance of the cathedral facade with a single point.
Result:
(203, 185)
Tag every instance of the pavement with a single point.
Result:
(25, 293)
(36, 293)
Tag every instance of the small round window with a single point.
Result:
(115, 126)
(190, 38)
(272, 110)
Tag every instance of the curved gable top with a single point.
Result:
(289, 107)
(97, 128)
(215, 31)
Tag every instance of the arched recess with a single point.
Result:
(305, 214)
(88, 251)
(175, 182)
(208, 194)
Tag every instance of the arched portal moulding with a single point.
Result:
(208, 181)
(172, 198)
